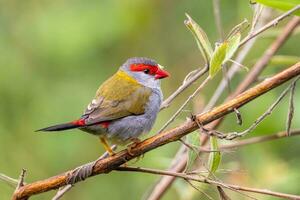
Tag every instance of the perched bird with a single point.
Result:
(125, 105)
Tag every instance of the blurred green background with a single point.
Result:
(53, 56)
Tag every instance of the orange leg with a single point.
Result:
(106, 146)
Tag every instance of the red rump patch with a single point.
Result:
(80, 122)
(105, 124)
(142, 67)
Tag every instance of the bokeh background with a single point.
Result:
(53, 56)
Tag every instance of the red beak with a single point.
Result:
(160, 74)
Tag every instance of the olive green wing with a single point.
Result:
(118, 97)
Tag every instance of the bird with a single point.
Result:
(125, 105)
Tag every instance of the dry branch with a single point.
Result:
(259, 139)
(203, 179)
(251, 77)
(108, 164)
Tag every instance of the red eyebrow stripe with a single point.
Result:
(142, 67)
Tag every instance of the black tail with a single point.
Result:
(60, 127)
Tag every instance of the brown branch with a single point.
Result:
(269, 53)
(260, 65)
(201, 86)
(108, 164)
(209, 181)
(250, 78)
(179, 165)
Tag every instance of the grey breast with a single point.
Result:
(122, 130)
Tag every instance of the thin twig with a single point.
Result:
(239, 65)
(157, 193)
(256, 140)
(198, 189)
(280, 40)
(186, 83)
(21, 179)
(251, 77)
(164, 182)
(253, 140)
(233, 135)
(258, 67)
(291, 109)
(257, 14)
(217, 14)
(223, 195)
(268, 54)
(209, 181)
(108, 164)
(270, 24)
(189, 146)
(201, 86)
(60, 193)
(10, 181)
(239, 59)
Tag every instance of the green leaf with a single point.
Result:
(218, 59)
(193, 139)
(214, 157)
(281, 4)
(201, 38)
(233, 45)
(239, 28)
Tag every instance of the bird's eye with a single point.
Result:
(146, 71)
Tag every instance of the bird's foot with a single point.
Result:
(135, 142)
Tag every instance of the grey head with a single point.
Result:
(146, 71)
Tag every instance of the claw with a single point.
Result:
(135, 142)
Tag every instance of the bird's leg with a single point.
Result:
(106, 146)
(134, 143)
